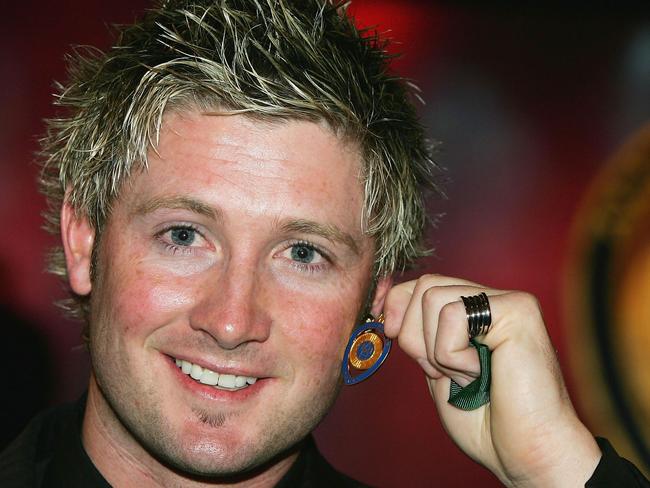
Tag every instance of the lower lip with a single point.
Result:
(212, 393)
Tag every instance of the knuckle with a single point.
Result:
(440, 355)
(527, 303)
(424, 281)
(448, 312)
(429, 298)
(407, 344)
(432, 358)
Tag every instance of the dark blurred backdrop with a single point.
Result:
(528, 102)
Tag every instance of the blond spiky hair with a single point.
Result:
(291, 59)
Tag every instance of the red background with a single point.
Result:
(528, 105)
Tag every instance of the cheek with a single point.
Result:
(320, 331)
(142, 300)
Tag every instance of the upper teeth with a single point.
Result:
(209, 377)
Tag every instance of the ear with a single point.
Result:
(383, 286)
(78, 237)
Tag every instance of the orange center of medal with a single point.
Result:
(377, 345)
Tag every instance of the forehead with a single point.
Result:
(289, 168)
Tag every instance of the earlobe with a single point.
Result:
(78, 238)
(381, 290)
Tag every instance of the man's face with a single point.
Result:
(240, 252)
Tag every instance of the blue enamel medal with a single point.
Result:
(367, 349)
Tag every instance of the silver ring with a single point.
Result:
(479, 315)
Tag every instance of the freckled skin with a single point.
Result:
(236, 299)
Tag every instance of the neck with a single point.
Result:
(123, 462)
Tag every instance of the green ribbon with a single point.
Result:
(477, 393)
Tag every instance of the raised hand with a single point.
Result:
(529, 433)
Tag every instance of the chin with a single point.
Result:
(213, 460)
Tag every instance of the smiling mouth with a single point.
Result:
(206, 376)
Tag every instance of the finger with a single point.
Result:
(409, 326)
(395, 305)
(411, 331)
(515, 315)
(403, 313)
(452, 353)
(400, 296)
(445, 333)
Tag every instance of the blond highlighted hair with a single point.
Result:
(278, 59)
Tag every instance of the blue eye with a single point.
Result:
(303, 253)
(183, 236)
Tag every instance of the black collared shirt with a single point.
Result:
(49, 454)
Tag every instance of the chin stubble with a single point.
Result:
(211, 419)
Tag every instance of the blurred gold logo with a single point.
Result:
(608, 302)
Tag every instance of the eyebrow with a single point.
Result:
(327, 231)
(177, 202)
(330, 232)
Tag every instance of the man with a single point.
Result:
(235, 183)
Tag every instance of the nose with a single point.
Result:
(231, 308)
